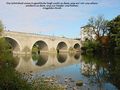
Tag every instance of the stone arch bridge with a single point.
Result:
(21, 41)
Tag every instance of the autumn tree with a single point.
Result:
(99, 26)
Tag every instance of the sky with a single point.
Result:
(58, 22)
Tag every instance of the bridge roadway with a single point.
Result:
(23, 43)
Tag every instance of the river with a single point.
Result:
(95, 72)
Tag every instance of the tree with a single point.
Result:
(9, 78)
(99, 25)
(114, 29)
(5, 53)
(114, 25)
(1, 26)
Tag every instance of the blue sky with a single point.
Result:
(63, 22)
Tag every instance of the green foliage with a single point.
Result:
(1, 26)
(35, 50)
(83, 48)
(114, 25)
(6, 57)
(114, 29)
(35, 57)
(91, 44)
(90, 50)
(5, 52)
(11, 80)
(117, 50)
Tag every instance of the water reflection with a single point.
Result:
(44, 61)
(16, 60)
(40, 59)
(26, 58)
(114, 70)
(77, 56)
(62, 57)
(88, 69)
(97, 73)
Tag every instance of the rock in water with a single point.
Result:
(79, 83)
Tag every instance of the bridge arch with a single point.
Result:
(62, 47)
(77, 47)
(15, 45)
(40, 46)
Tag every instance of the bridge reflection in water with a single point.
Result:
(65, 65)
(44, 61)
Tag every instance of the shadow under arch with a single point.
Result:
(40, 59)
(14, 45)
(77, 47)
(39, 46)
(61, 47)
(62, 57)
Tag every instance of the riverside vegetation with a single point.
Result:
(105, 46)
(10, 79)
(107, 36)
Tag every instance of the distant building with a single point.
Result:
(87, 33)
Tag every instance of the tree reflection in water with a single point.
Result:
(114, 71)
(107, 69)
(40, 59)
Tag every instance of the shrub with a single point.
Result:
(11, 80)
(90, 50)
(83, 48)
(92, 47)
